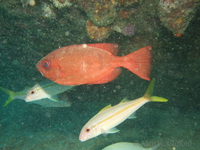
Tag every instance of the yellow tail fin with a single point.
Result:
(149, 92)
(11, 96)
(158, 99)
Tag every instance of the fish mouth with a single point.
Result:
(82, 139)
(40, 69)
(27, 99)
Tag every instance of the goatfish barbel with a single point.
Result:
(44, 94)
(109, 117)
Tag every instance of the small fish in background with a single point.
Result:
(129, 146)
(93, 64)
(109, 117)
(44, 94)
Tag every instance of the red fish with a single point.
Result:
(93, 64)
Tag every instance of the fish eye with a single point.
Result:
(46, 64)
(87, 130)
(32, 92)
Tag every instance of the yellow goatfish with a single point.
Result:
(44, 94)
(109, 117)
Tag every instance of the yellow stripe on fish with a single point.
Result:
(117, 113)
(109, 117)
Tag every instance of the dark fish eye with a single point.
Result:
(46, 64)
(32, 92)
(87, 130)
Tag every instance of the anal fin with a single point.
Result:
(110, 131)
(109, 77)
(133, 116)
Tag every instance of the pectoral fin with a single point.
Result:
(133, 116)
(65, 103)
(112, 130)
(54, 98)
(49, 103)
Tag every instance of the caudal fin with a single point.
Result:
(139, 62)
(11, 95)
(149, 92)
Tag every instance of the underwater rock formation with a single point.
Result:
(61, 3)
(25, 3)
(128, 30)
(107, 15)
(128, 2)
(125, 13)
(100, 12)
(97, 33)
(176, 15)
(125, 28)
(48, 11)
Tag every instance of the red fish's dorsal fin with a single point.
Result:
(110, 47)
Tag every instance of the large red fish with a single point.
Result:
(93, 64)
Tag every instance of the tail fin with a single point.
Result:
(139, 62)
(11, 95)
(149, 92)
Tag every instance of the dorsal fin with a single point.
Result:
(124, 100)
(110, 47)
(109, 106)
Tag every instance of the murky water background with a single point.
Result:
(176, 67)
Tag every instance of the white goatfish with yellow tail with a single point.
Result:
(109, 117)
(44, 94)
(129, 146)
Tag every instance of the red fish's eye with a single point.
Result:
(46, 64)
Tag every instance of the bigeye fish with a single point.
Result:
(129, 146)
(44, 94)
(93, 64)
(109, 117)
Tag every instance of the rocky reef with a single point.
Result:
(105, 17)
(100, 12)
(176, 15)
(97, 33)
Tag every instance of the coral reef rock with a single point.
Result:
(97, 33)
(48, 11)
(100, 12)
(125, 28)
(128, 2)
(176, 15)
(61, 3)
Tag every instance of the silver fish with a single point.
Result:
(44, 94)
(129, 146)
